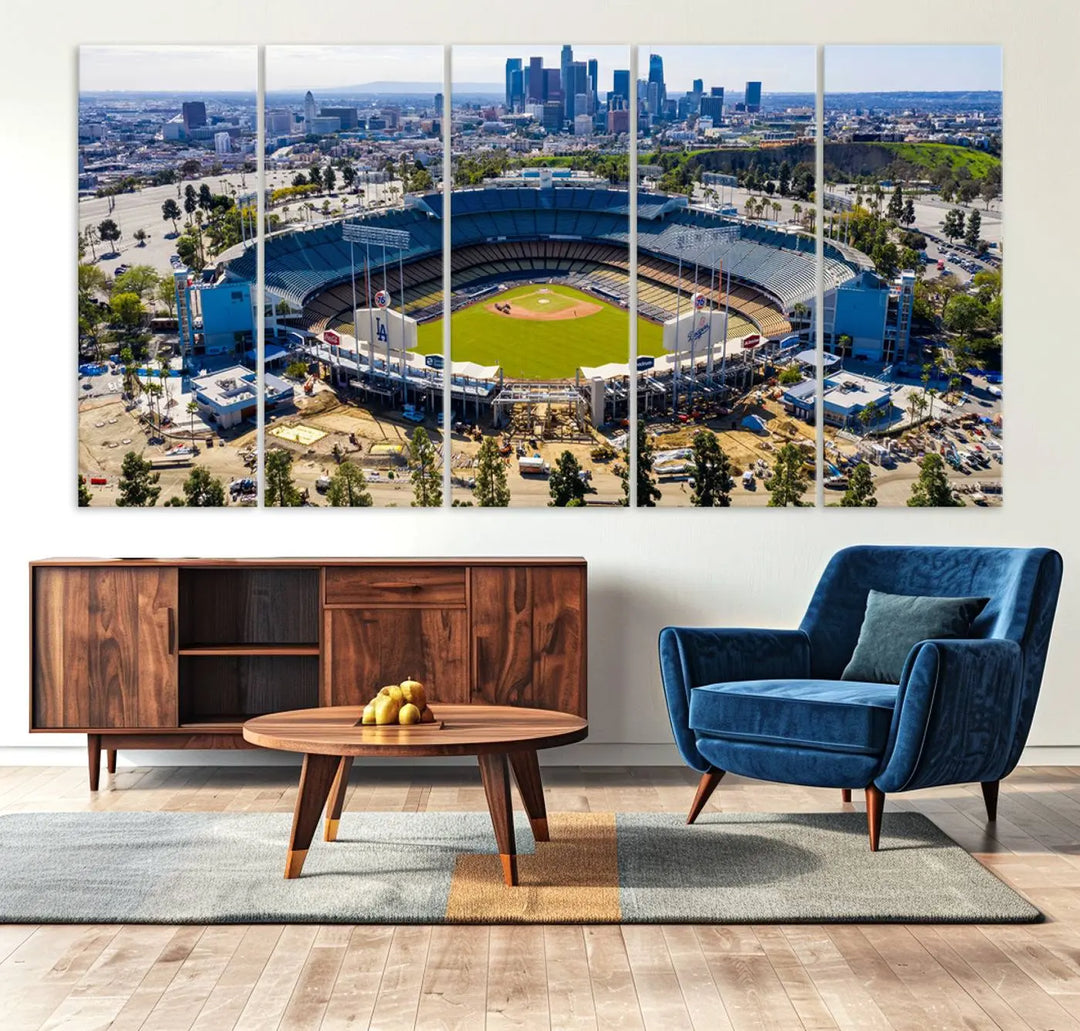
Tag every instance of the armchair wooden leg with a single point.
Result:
(706, 786)
(990, 797)
(845, 794)
(875, 803)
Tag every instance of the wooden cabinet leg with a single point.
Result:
(337, 797)
(110, 759)
(875, 805)
(526, 769)
(93, 754)
(315, 779)
(496, 778)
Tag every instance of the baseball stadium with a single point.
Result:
(540, 286)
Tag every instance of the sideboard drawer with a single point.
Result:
(395, 585)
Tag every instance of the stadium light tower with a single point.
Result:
(395, 239)
(706, 246)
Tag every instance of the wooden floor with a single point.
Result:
(666, 977)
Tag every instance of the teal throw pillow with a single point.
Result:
(895, 623)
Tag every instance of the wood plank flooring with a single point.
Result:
(921, 978)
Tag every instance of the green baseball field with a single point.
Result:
(539, 331)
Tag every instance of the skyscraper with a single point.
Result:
(194, 115)
(534, 88)
(656, 75)
(309, 107)
(513, 64)
(553, 87)
(712, 106)
(620, 85)
(594, 70)
(753, 96)
(699, 87)
(565, 83)
(577, 86)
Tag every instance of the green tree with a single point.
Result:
(329, 178)
(206, 198)
(108, 231)
(201, 490)
(128, 310)
(860, 490)
(191, 201)
(84, 492)
(896, 204)
(348, 175)
(788, 480)
(953, 226)
(491, 490)
(348, 488)
(908, 217)
(141, 280)
(166, 294)
(973, 228)
(280, 490)
(712, 472)
(170, 212)
(297, 370)
(138, 482)
(426, 471)
(790, 376)
(141, 236)
(315, 176)
(648, 493)
(931, 489)
(962, 313)
(565, 484)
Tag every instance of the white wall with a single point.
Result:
(647, 568)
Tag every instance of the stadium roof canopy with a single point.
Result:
(472, 370)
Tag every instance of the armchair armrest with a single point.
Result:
(693, 656)
(955, 715)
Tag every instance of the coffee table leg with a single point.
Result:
(315, 779)
(496, 778)
(527, 774)
(337, 797)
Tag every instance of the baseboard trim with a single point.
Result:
(594, 753)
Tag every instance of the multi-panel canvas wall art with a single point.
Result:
(166, 189)
(540, 276)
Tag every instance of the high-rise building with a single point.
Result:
(222, 143)
(194, 112)
(652, 101)
(278, 122)
(309, 107)
(517, 89)
(534, 88)
(577, 85)
(594, 71)
(618, 120)
(346, 115)
(437, 103)
(513, 64)
(753, 96)
(699, 87)
(712, 106)
(621, 85)
(553, 86)
(553, 113)
(656, 75)
(565, 81)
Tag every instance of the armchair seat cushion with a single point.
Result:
(830, 715)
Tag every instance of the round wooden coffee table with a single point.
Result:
(500, 736)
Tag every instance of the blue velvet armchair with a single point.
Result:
(770, 704)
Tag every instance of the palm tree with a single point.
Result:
(192, 409)
(749, 206)
(777, 207)
(796, 209)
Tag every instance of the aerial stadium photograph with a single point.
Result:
(727, 272)
(166, 186)
(539, 275)
(913, 345)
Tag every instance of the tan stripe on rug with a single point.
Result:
(573, 878)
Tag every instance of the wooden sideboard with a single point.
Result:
(178, 653)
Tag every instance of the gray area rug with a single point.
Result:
(183, 867)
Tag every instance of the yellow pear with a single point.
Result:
(413, 691)
(409, 714)
(393, 691)
(386, 710)
(369, 714)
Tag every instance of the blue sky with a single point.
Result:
(780, 69)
